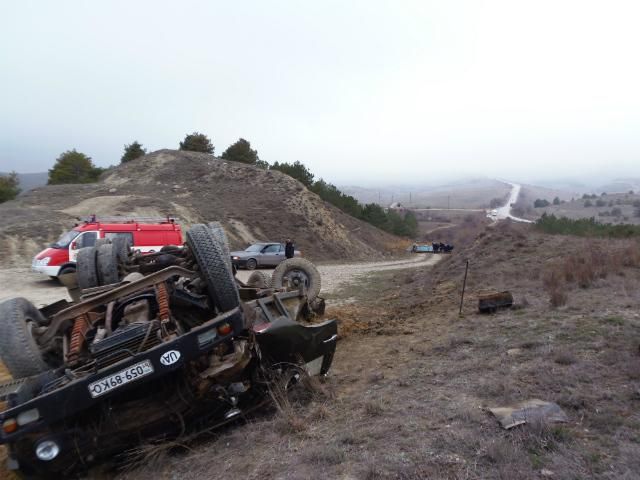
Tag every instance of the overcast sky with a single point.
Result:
(364, 92)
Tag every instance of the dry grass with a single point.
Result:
(600, 260)
(410, 379)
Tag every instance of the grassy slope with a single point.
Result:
(411, 378)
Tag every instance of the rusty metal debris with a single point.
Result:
(491, 302)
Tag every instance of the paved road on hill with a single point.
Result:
(41, 290)
(504, 212)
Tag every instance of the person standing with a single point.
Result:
(289, 249)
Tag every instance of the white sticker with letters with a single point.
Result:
(170, 357)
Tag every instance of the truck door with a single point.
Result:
(85, 239)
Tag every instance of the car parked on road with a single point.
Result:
(261, 254)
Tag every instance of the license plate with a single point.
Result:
(129, 374)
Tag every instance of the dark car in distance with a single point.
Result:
(261, 254)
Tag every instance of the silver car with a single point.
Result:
(261, 254)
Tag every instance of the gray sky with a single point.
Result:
(362, 92)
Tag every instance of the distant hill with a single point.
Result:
(468, 193)
(30, 180)
(252, 204)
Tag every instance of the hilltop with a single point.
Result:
(252, 204)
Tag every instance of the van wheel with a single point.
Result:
(259, 280)
(213, 267)
(86, 268)
(18, 349)
(295, 272)
(107, 262)
(67, 269)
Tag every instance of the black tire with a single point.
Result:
(122, 246)
(86, 268)
(259, 280)
(67, 269)
(213, 267)
(102, 241)
(251, 264)
(18, 348)
(219, 234)
(297, 271)
(107, 263)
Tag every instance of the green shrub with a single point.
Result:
(241, 152)
(73, 167)
(132, 151)
(9, 187)
(197, 142)
(584, 227)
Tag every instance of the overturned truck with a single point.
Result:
(182, 345)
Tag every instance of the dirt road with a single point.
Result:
(39, 289)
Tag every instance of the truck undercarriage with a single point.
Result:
(149, 357)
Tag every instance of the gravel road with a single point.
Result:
(41, 290)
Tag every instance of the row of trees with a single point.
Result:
(541, 202)
(241, 151)
(76, 167)
(404, 224)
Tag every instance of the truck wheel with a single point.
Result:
(102, 241)
(18, 349)
(122, 246)
(259, 280)
(107, 262)
(219, 234)
(296, 272)
(213, 267)
(251, 264)
(86, 268)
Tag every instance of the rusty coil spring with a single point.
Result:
(78, 335)
(163, 302)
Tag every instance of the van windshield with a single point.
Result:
(65, 239)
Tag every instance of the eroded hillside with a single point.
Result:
(253, 204)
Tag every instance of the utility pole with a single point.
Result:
(464, 285)
(449, 202)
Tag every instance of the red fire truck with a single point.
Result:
(145, 234)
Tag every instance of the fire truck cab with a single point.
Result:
(145, 235)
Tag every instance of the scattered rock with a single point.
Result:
(546, 473)
(113, 190)
(512, 352)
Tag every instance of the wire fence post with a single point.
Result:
(464, 285)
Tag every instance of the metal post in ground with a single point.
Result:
(464, 285)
